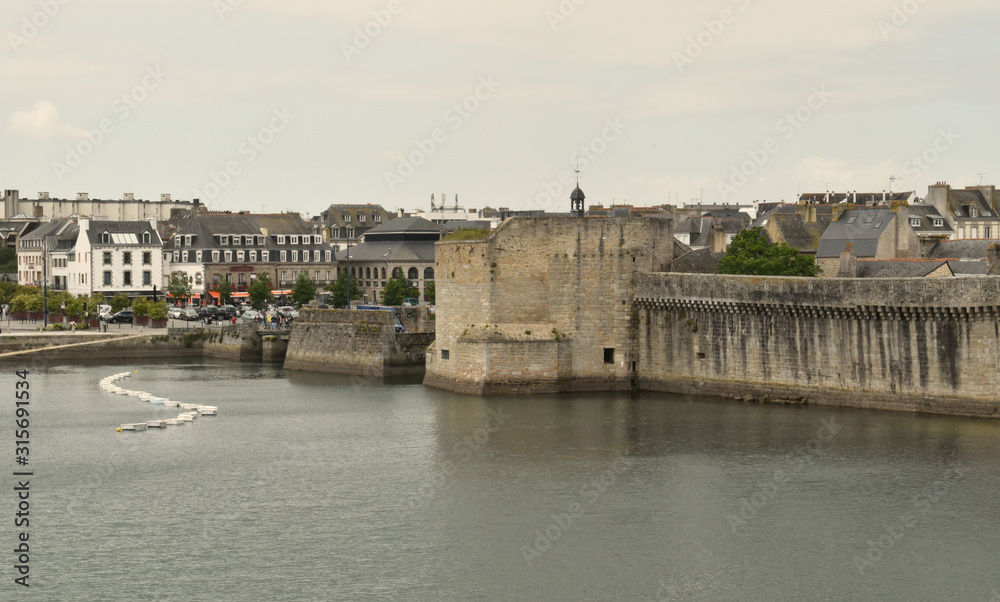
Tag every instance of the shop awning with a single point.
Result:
(288, 292)
(240, 295)
(215, 294)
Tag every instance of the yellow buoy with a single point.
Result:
(119, 429)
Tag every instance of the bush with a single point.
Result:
(141, 306)
(158, 310)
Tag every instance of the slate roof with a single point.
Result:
(390, 251)
(927, 213)
(700, 227)
(860, 198)
(961, 202)
(205, 228)
(680, 249)
(333, 216)
(135, 229)
(406, 224)
(969, 248)
(859, 227)
(702, 261)
(897, 268)
(976, 267)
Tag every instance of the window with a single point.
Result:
(187, 240)
(177, 256)
(350, 233)
(293, 240)
(177, 241)
(105, 237)
(938, 222)
(224, 241)
(397, 272)
(428, 273)
(253, 255)
(284, 256)
(445, 354)
(215, 256)
(229, 256)
(317, 239)
(347, 217)
(145, 238)
(295, 256)
(413, 274)
(609, 355)
(260, 241)
(107, 258)
(282, 273)
(974, 232)
(361, 217)
(368, 273)
(329, 257)
(315, 256)
(127, 278)
(240, 256)
(377, 217)
(147, 258)
(184, 256)
(915, 222)
(107, 278)
(383, 273)
(264, 255)
(973, 212)
(197, 256)
(281, 239)
(987, 231)
(147, 278)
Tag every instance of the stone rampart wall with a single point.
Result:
(899, 344)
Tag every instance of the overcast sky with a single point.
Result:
(294, 105)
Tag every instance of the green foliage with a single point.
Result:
(8, 260)
(27, 299)
(338, 290)
(304, 289)
(8, 290)
(260, 292)
(753, 254)
(225, 292)
(430, 292)
(74, 308)
(95, 300)
(141, 306)
(158, 310)
(119, 302)
(397, 289)
(179, 286)
(469, 234)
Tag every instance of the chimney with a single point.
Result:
(82, 196)
(43, 196)
(153, 222)
(717, 239)
(993, 258)
(165, 197)
(84, 224)
(937, 196)
(848, 263)
(128, 196)
(38, 212)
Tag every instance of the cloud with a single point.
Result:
(42, 123)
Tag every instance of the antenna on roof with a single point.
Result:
(981, 176)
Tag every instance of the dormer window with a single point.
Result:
(105, 237)
(915, 222)
(361, 217)
(938, 222)
(350, 233)
(377, 217)
(294, 240)
(973, 211)
(281, 239)
(347, 217)
(224, 241)
(145, 238)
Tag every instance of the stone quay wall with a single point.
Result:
(363, 343)
(922, 345)
(543, 305)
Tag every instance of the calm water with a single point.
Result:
(330, 488)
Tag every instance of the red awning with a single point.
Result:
(240, 295)
(215, 294)
(281, 292)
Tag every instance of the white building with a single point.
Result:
(114, 257)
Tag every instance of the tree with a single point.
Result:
(158, 310)
(225, 292)
(8, 260)
(74, 308)
(119, 302)
(753, 254)
(96, 300)
(141, 306)
(260, 292)
(397, 289)
(179, 286)
(338, 290)
(430, 293)
(304, 289)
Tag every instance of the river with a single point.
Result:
(319, 487)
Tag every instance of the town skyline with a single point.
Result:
(388, 103)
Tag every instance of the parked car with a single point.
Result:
(228, 312)
(124, 315)
(207, 311)
(189, 314)
(251, 315)
(175, 312)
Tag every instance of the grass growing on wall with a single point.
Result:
(469, 234)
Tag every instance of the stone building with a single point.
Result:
(543, 304)
(971, 213)
(210, 248)
(345, 224)
(879, 232)
(128, 208)
(403, 246)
